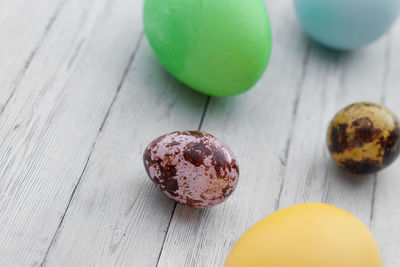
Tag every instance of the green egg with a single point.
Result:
(217, 47)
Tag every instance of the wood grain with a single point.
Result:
(334, 80)
(24, 27)
(53, 118)
(258, 127)
(83, 94)
(385, 215)
(124, 217)
(329, 81)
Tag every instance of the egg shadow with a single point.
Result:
(191, 216)
(161, 86)
(323, 52)
(183, 216)
(161, 203)
(346, 176)
(157, 199)
(161, 81)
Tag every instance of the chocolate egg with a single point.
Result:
(191, 167)
(364, 138)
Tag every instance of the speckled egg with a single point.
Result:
(364, 138)
(192, 167)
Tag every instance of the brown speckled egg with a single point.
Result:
(364, 138)
(192, 168)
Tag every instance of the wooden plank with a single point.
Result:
(73, 190)
(385, 216)
(330, 81)
(23, 28)
(334, 80)
(117, 217)
(50, 126)
(258, 127)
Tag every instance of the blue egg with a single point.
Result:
(346, 24)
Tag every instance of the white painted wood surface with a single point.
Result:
(81, 96)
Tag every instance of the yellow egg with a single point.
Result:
(307, 235)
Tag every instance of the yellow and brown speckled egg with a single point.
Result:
(364, 138)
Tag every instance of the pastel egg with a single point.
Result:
(346, 24)
(192, 167)
(364, 138)
(307, 235)
(219, 48)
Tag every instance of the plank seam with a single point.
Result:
(166, 233)
(28, 62)
(203, 115)
(75, 53)
(125, 74)
(388, 51)
(300, 86)
(371, 215)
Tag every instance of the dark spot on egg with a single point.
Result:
(196, 152)
(193, 202)
(370, 105)
(148, 161)
(227, 191)
(364, 132)
(365, 166)
(173, 143)
(196, 133)
(338, 138)
(168, 180)
(220, 163)
(235, 166)
(391, 146)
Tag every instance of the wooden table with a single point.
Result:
(82, 95)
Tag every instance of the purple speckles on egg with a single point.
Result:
(192, 167)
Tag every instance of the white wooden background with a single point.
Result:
(81, 95)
